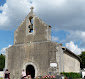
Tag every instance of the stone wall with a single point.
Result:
(59, 57)
(38, 53)
(34, 48)
(71, 63)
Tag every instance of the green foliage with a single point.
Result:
(71, 74)
(1, 78)
(82, 63)
(2, 62)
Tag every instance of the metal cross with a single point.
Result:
(32, 9)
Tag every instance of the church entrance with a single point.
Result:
(30, 70)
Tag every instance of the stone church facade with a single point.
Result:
(34, 51)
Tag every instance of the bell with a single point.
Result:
(31, 26)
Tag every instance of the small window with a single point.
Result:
(30, 25)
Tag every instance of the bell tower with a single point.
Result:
(30, 22)
(32, 29)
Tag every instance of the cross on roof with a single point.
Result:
(32, 9)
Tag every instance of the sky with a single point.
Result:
(66, 17)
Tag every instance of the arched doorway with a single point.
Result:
(30, 70)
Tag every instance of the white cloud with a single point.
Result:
(3, 17)
(69, 15)
(13, 12)
(60, 14)
(74, 48)
(54, 38)
(3, 51)
(76, 36)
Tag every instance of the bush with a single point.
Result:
(71, 74)
(2, 62)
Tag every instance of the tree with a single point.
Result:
(2, 62)
(82, 63)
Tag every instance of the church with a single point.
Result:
(34, 51)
